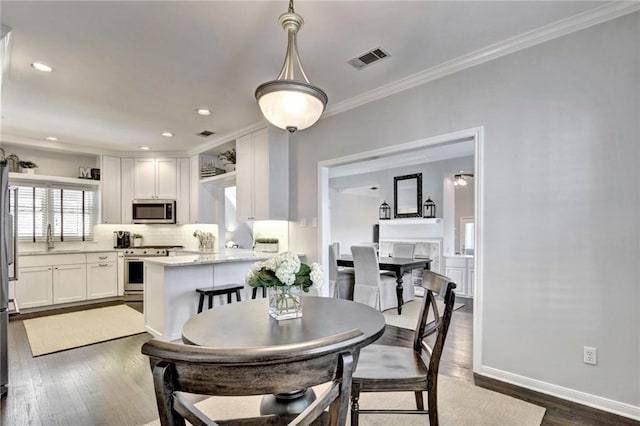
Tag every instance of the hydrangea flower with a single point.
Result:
(284, 269)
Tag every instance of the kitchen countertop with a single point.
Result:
(204, 259)
(64, 251)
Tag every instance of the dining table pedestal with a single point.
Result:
(293, 402)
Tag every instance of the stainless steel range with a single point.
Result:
(134, 268)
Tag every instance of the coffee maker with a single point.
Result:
(121, 239)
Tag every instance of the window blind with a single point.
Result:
(71, 211)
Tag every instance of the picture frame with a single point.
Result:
(407, 196)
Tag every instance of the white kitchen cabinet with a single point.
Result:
(69, 283)
(34, 287)
(40, 283)
(184, 190)
(262, 175)
(110, 190)
(102, 275)
(155, 178)
(460, 270)
(126, 167)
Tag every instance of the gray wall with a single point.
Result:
(561, 242)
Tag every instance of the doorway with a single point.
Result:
(442, 143)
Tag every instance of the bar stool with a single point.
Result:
(227, 289)
(254, 292)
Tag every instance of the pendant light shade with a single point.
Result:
(290, 102)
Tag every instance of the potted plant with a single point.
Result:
(28, 167)
(229, 158)
(269, 245)
(137, 240)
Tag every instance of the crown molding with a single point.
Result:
(44, 145)
(548, 32)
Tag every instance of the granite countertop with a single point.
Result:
(203, 259)
(64, 251)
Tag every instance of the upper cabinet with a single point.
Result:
(184, 189)
(155, 178)
(262, 175)
(110, 190)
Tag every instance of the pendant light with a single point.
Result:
(290, 102)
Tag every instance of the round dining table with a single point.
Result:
(248, 328)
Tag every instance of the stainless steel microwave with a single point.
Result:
(154, 211)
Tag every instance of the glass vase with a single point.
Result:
(285, 302)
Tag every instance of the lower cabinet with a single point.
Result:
(55, 279)
(69, 283)
(102, 280)
(460, 270)
(34, 287)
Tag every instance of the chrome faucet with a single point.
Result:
(49, 238)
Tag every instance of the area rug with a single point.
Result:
(459, 403)
(410, 313)
(67, 331)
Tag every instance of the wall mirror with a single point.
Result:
(407, 196)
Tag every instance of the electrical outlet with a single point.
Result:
(590, 355)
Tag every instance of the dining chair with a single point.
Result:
(178, 369)
(401, 369)
(403, 250)
(341, 280)
(372, 288)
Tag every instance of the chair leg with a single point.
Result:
(432, 401)
(237, 295)
(200, 302)
(419, 401)
(355, 409)
(229, 297)
(210, 301)
(254, 292)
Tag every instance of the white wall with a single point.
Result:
(561, 242)
(352, 218)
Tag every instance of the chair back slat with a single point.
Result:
(440, 285)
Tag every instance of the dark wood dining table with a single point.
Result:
(398, 265)
(247, 328)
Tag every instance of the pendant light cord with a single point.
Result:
(291, 7)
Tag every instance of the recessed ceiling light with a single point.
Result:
(51, 138)
(145, 148)
(41, 67)
(167, 134)
(203, 111)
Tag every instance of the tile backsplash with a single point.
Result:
(151, 235)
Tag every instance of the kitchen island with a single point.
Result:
(170, 297)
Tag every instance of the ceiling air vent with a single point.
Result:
(205, 133)
(368, 58)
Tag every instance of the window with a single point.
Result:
(71, 211)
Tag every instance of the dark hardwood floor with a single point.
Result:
(110, 383)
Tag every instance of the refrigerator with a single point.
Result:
(8, 267)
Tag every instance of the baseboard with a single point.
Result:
(583, 398)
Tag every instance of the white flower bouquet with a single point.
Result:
(285, 269)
